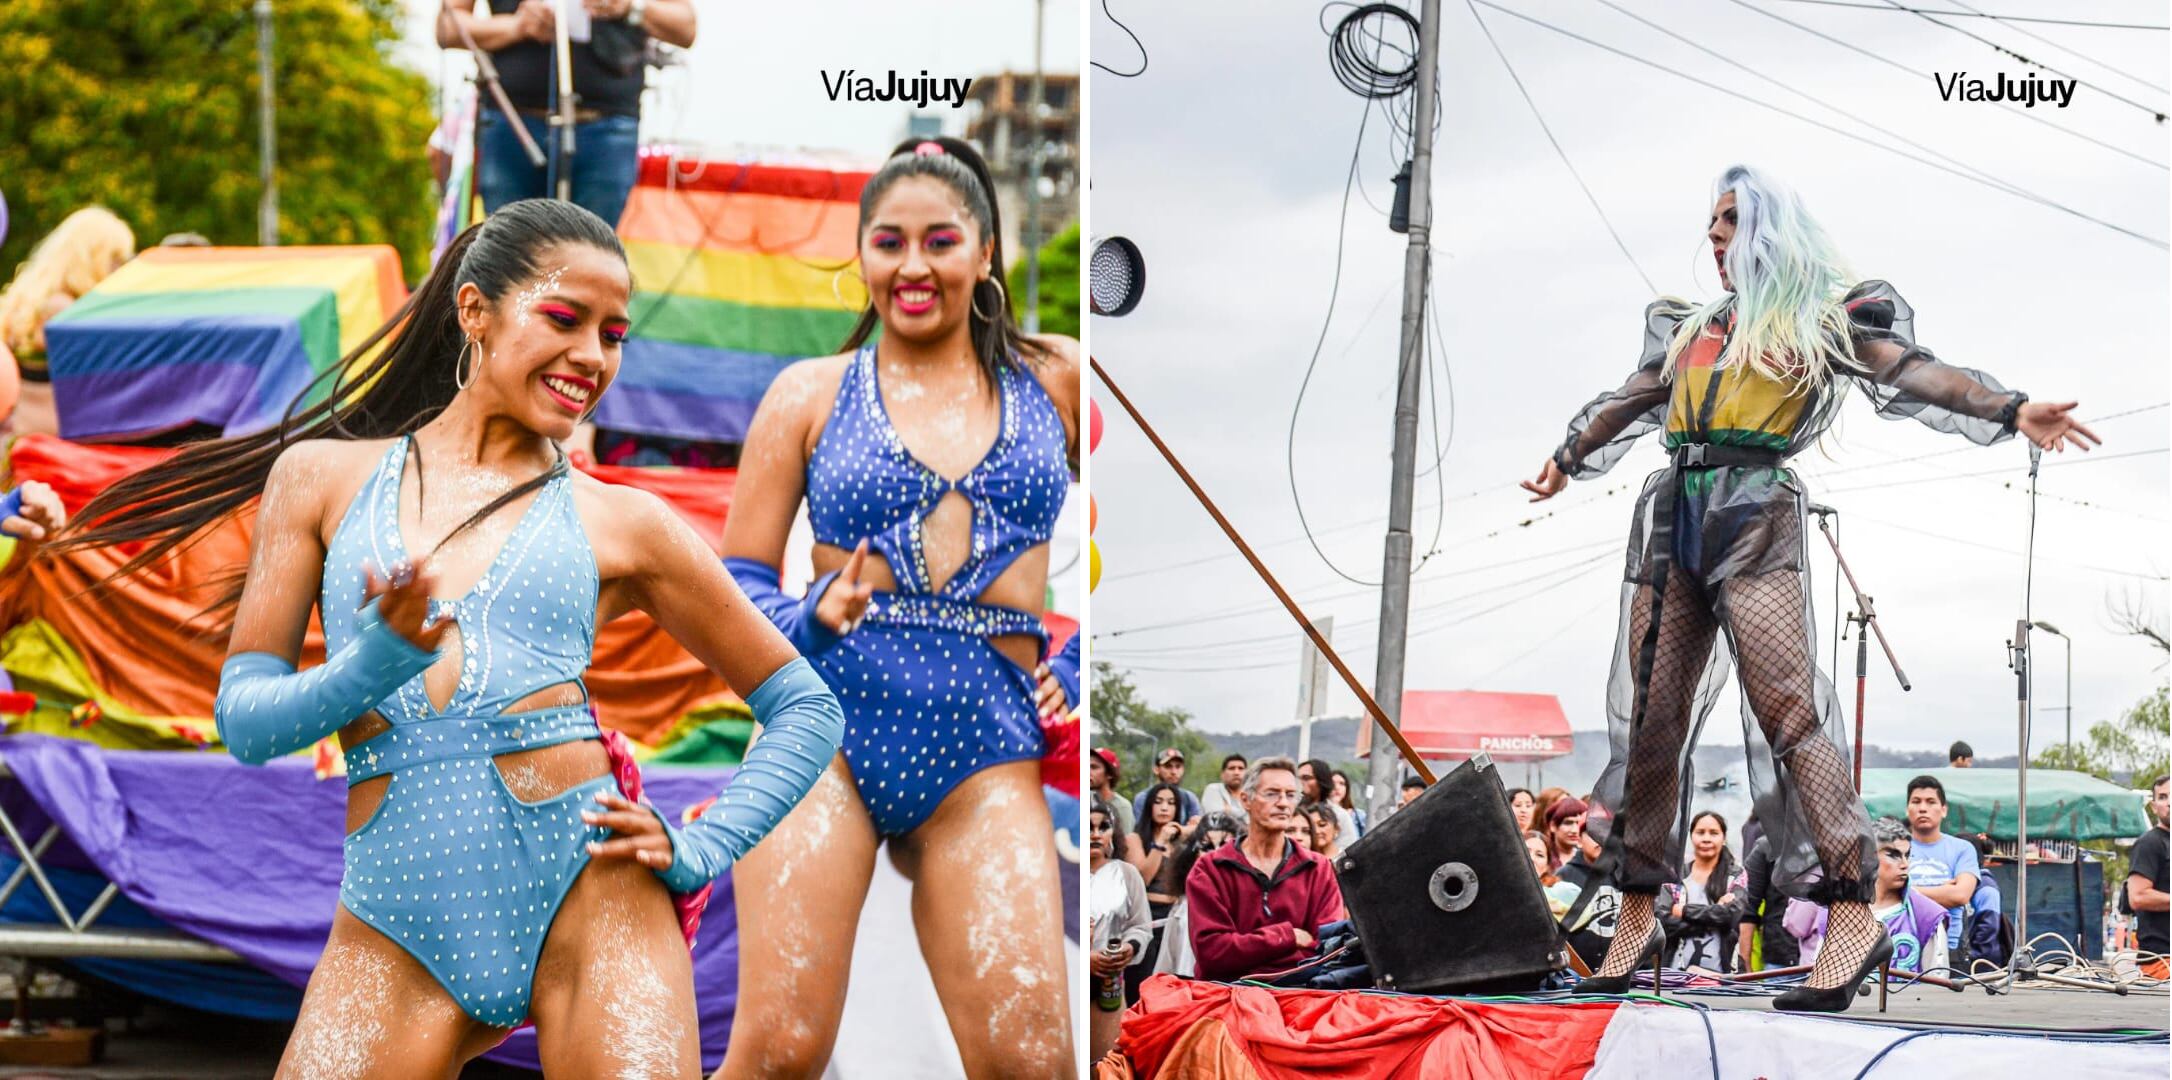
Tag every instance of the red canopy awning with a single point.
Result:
(1461, 723)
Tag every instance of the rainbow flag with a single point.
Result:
(739, 269)
(221, 336)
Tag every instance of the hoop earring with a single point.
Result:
(461, 375)
(839, 294)
(1000, 291)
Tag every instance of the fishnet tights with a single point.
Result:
(1772, 659)
(1651, 789)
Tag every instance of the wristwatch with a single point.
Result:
(634, 12)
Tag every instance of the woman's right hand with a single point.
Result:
(1549, 483)
(845, 601)
(403, 602)
(1167, 834)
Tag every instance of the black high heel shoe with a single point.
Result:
(1619, 984)
(1836, 998)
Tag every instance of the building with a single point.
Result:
(1007, 128)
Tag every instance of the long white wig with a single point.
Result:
(1789, 281)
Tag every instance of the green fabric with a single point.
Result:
(315, 309)
(2063, 805)
(42, 663)
(724, 324)
(716, 735)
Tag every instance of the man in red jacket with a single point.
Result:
(1255, 904)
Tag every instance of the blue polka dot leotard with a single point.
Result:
(452, 866)
(928, 700)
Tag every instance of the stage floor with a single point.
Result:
(2037, 1006)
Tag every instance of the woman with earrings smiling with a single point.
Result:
(933, 459)
(461, 570)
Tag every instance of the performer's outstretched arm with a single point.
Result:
(1904, 379)
(1603, 430)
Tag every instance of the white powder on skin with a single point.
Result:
(647, 1022)
(525, 300)
(1027, 1017)
(339, 1035)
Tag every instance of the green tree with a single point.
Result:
(149, 107)
(2130, 750)
(1126, 723)
(1059, 284)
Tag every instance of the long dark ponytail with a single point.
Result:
(402, 388)
(996, 342)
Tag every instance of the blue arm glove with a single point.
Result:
(795, 618)
(1064, 666)
(265, 710)
(801, 725)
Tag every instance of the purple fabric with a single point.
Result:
(249, 857)
(1913, 927)
(239, 372)
(673, 415)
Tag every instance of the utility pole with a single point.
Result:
(1395, 571)
(267, 207)
(1031, 233)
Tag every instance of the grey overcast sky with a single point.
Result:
(754, 76)
(1226, 163)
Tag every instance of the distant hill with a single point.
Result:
(1334, 737)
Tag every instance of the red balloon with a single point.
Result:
(1093, 438)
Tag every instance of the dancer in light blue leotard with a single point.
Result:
(933, 460)
(495, 873)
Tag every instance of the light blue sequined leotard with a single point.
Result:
(453, 866)
(928, 700)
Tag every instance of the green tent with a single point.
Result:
(2063, 805)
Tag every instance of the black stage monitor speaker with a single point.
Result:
(1443, 895)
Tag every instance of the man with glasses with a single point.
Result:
(1257, 903)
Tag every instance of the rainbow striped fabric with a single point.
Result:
(739, 269)
(221, 336)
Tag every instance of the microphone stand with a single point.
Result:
(563, 119)
(1862, 622)
(487, 72)
(2023, 963)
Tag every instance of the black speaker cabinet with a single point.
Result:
(1443, 895)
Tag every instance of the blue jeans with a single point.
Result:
(606, 158)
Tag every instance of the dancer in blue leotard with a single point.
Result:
(933, 462)
(494, 872)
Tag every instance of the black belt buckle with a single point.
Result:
(1691, 455)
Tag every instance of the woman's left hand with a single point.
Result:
(1106, 964)
(40, 517)
(1051, 700)
(641, 835)
(2051, 427)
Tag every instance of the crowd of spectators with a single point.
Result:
(1244, 891)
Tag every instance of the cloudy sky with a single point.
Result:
(1226, 162)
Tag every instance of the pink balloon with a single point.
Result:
(1093, 438)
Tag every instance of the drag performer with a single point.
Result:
(461, 570)
(1740, 385)
(933, 461)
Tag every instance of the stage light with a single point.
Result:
(1117, 276)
